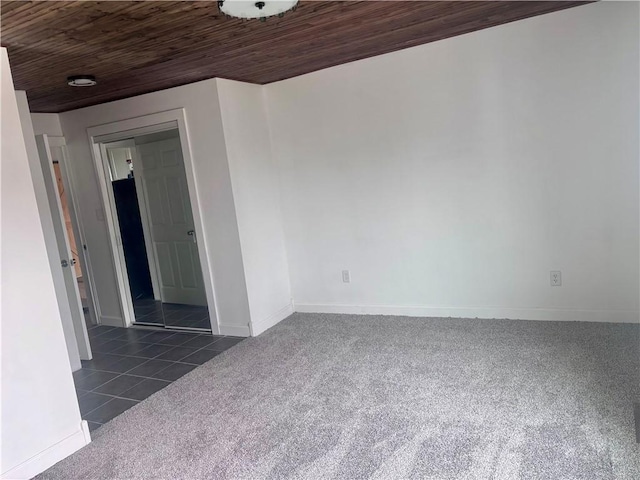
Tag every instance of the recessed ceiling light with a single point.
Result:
(81, 80)
(256, 9)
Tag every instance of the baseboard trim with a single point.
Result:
(111, 321)
(235, 330)
(52, 455)
(266, 323)
(542, 314)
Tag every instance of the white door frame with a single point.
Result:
(133, 127)
(71, 295)
(78, 231)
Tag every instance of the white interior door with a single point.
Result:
(68, 294)
(59, 153)
(173, 236)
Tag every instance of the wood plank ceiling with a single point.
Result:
(139, 47)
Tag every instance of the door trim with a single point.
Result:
(113, 226)
(71, 293)
(126, 129)
(69, 182)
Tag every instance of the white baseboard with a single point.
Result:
(235, 330)
(111, 321)
(52, 455)
(264, 324)
(543, 314)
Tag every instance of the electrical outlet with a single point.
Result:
(556, 278)
(346, 276)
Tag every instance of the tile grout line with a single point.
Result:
(156, 358)
(128, 398)
(113, 397)
(165, 345)
(170, 363)
(118, 374)
(137, 376)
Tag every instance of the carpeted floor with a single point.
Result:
(351, 397)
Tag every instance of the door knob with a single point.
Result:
(64, 263)
(192, 234)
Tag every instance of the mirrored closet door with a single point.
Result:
(155, 220)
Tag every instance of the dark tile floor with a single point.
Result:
(130, 364)
(154, 312)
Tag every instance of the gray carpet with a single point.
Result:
(350, 397)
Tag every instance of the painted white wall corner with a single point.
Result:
(256, 194)
(215, 199)
(263, 324)
(46, 124)
(48, 228)
(52, 455)
(451, 178)
(40, 416)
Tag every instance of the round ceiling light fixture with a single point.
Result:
(81, 80)
(256, 9)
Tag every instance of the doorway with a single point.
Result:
(75, 259)
(153, 218)
(72, 266)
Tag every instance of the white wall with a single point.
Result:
(221, 241)
(256, 194)
(46, 123)
(39, 413)
(44, 211)
(451, 178)
(118, 162)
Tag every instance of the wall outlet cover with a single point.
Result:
(556, 278)
(346, 276)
